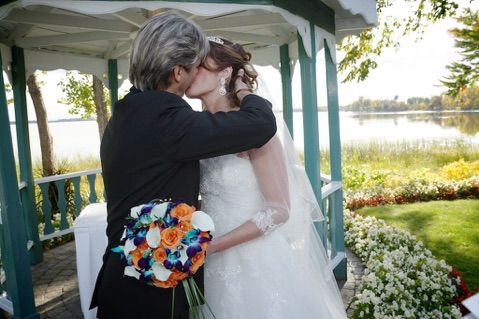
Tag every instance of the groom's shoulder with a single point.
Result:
(155, 99)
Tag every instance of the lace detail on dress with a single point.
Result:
(229, 191)
(265, 221)
(260, 278)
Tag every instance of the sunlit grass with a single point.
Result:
(410, 156)
(389, 164)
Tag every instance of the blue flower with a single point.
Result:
(118, 250)
(144, 263)
(193, 240)
(140, 236)
(170, 221)
(144, 215)
(172, 259)
(146, 275)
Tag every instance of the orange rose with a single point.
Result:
(184, 226)
(164, 284)
(177, 275)
(204, 245)
(136, 255)
(205, 234)
(198, 260)
(182, 212)
(159, 254)
(143, 246)
(170, 237)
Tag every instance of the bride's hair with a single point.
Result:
(228, 54)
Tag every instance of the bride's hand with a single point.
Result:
(241, 89)
(210, 250)
(214, 247)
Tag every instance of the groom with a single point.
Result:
(151, 150)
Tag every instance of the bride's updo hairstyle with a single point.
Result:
(228, 54)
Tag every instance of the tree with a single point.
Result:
(101, 108)
(465, 72)
(360, 52)
(46, 139)
(86, 96)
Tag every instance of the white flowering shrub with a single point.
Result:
(402, 279)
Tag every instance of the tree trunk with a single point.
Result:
(100, 105)
(46, 139)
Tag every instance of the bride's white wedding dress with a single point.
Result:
(268, 277)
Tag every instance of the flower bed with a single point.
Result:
(413, 191)
(402, 278)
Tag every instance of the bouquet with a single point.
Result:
(164, 242)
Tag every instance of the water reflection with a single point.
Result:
(465, 122)
(354, 128)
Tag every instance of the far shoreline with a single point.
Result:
(78, 119)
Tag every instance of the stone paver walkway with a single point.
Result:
(56, 283)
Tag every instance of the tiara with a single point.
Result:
(216, 40)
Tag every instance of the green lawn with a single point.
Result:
(449, 229)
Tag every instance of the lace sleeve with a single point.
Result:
(270, 169)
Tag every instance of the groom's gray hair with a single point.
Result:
(166, 40)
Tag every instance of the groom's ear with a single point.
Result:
(176, 73)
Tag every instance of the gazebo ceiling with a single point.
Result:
(85, 32)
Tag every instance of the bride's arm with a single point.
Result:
(269, 166)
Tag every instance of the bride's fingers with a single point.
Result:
(239, 84)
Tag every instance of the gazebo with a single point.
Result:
(94, 37)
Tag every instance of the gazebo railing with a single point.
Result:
(57, 208)
(60, 199)
(329, 232)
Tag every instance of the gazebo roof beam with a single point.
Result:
(21, 30)
(121, 50)
(108, 52)
(132, 17)
(69, 51)
(283, 33)
(50, 40)
(249, 37)
(241, 21)
(54, 19)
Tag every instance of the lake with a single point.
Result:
(81, 137)
(397, 127)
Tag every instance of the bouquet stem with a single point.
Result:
(196, 299)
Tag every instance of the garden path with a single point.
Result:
(56, 283)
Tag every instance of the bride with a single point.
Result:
(266, 259)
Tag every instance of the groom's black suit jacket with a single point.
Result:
(151, 150)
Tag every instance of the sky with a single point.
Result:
(413, 70)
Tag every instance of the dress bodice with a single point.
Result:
(229, 190)
(253, 279)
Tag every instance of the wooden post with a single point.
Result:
(311, 126)
(15, 259)
(286, 88)
(310, 115)
(335, 209)
(27, 194)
